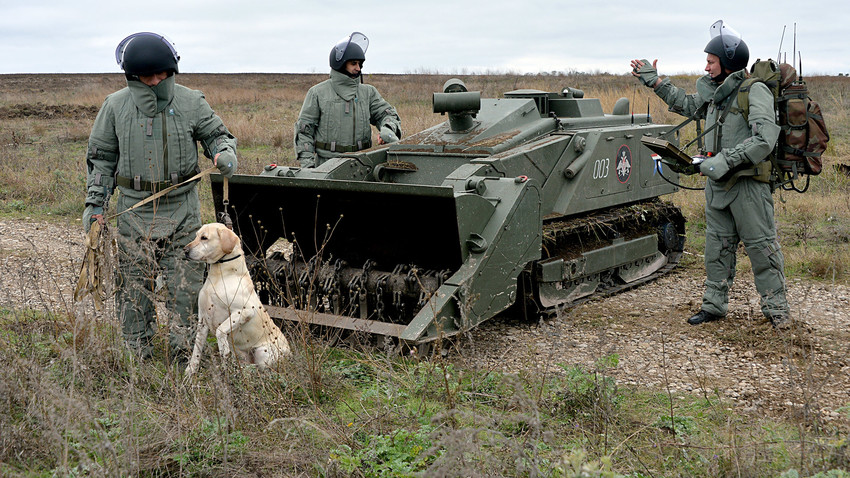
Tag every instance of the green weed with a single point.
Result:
(211, 443)
(398, 454)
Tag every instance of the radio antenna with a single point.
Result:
(781, 39)
(794, 52)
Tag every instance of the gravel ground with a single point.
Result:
(741, 359)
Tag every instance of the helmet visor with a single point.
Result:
(728, 36)
(357, 38)
(122, 47)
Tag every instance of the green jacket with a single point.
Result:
(336, 117)
(739, 143)
(146, 137)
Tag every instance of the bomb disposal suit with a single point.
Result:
(144, 140)
(337, 114)
(739, 203)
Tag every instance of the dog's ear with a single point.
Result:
(229, 240)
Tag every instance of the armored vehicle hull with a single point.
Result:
(537, 199)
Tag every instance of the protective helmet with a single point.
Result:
(727, 45)
(145, 53)
(352, 47)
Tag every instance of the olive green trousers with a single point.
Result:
(150, 245)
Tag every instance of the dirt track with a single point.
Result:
(741, 359)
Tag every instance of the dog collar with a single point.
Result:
(223, 260)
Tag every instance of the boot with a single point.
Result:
(179, 359)
(703, 316)
(781, 321)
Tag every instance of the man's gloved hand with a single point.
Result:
(698, 158)
(647, 73)
(715, 167)
(388, 135)
(225, 160)
(307, 161)
(90, 215)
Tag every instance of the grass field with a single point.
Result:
(74, 403)
(47, 119)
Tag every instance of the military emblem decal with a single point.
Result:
(624, 164)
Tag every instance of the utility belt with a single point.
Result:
(138, 184)
(340, 148)
(762, 172)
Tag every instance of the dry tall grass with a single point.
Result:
(47, 118)
(75, 403)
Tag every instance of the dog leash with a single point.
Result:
(165, 191)
(223, 216)
(91, 271)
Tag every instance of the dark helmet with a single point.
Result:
(727, 45)
(352, 47)
(145, 53)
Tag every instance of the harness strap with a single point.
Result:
(800, 152)
(700, 134)
(105, 181)
(719, 124)
(700, 110)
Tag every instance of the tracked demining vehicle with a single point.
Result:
(536, 199)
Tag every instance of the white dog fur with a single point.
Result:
(229, 305)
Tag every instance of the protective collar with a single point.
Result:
(729, 85)
(720, 78)
(344, 86)
(152, 99)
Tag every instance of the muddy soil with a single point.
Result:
(740, 360)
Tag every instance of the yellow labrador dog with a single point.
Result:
(229, 305)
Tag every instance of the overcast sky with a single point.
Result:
(431, 36)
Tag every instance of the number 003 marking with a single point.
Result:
(601, 168)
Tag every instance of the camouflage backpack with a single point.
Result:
(803, 138)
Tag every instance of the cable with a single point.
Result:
(674, 184)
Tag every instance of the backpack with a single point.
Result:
(804, 136)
